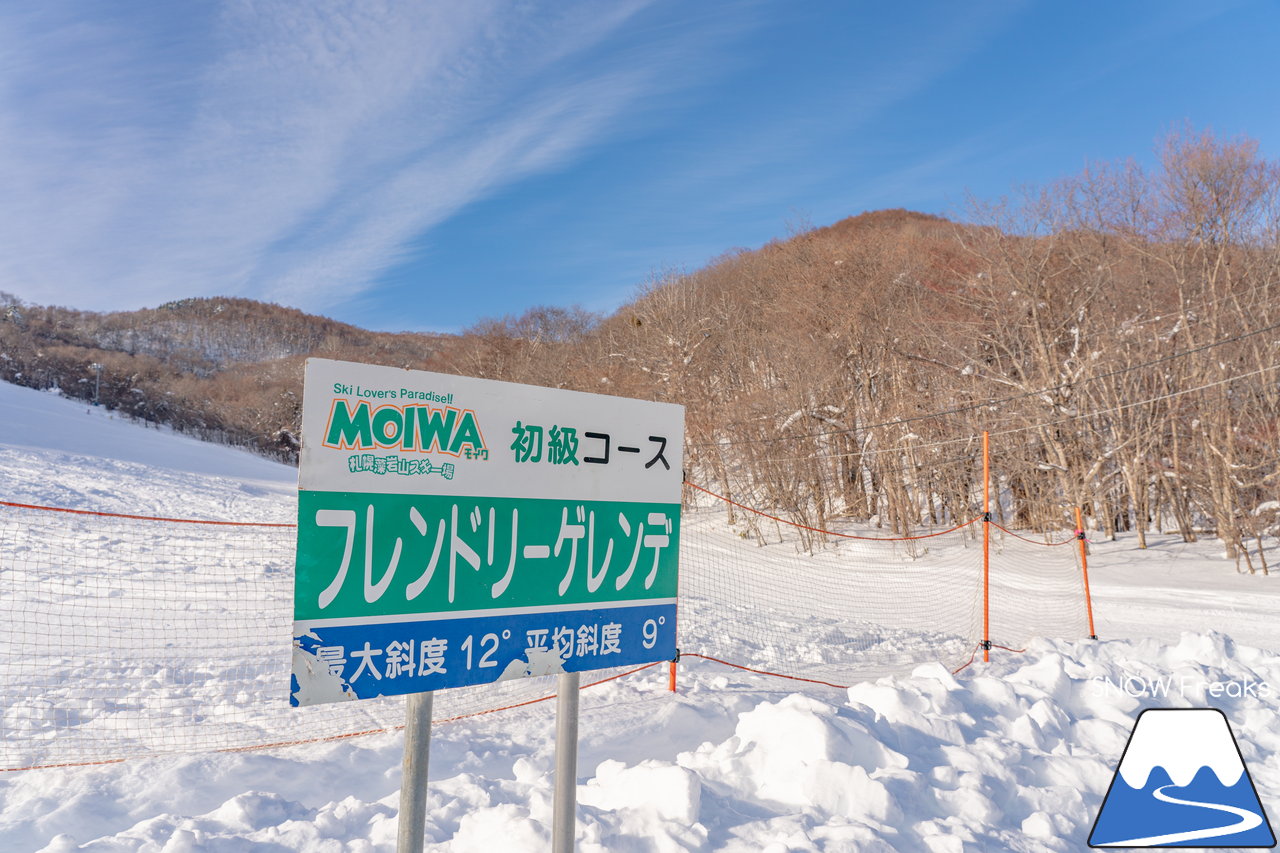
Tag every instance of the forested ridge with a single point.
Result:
(1117, 333)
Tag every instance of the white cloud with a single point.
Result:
(280, 150)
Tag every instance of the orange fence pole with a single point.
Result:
(671, 677)
(986, 546)
(1084, 569)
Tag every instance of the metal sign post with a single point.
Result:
(563, 821)
(411, 832)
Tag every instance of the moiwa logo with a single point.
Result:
(1181, 782)
(426, 429)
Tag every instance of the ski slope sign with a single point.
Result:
(1181, 782)
(456, 531)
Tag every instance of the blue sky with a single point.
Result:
(423, 165)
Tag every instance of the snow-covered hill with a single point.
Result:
(1014, 755)
(59, 452)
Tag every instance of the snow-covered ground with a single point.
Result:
(57, 452)
(1012, 755)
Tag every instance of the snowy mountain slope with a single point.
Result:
(1015, 755)
(58, 452)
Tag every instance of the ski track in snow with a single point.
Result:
(1247, 821)
(1014, 755)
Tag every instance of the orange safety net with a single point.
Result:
(124, 636)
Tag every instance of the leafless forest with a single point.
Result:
(1117, 333)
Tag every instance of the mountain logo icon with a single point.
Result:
(1181, 782)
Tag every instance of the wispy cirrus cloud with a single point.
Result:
(807, 148)
(278, 150)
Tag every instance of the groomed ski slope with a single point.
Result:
(1013, 755)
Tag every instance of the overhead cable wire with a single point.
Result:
(1001, 400)
(904, 448)
(1148, 401)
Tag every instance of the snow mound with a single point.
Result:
(1012, 756)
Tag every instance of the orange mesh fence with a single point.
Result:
(1037, 589)
(857, 606)
(123, 636)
